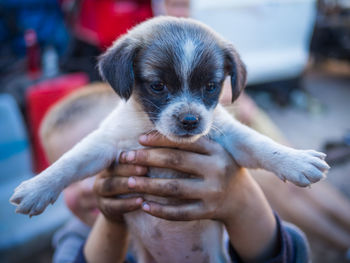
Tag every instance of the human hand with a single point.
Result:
(209, 193)
(110, 184)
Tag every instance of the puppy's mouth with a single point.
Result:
(186, 136)
(183, 137)
(176, 132)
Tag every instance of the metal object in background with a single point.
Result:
(331, 37)
(338, 152)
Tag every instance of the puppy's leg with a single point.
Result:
(253, 150)
(85, 159)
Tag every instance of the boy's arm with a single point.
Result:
(107, 242)
(252, 228)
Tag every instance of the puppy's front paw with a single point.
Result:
(33, 196)
(302, 167)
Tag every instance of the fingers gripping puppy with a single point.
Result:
(170, 72)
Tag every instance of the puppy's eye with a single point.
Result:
(210, 87)
(158, 86)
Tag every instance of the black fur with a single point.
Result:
(155, 48)
(116, 67)
(236, 69)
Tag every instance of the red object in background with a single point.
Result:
(33, 54)
(100, 22)
(40, 97)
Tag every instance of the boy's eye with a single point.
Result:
(210, 87)
(158, 86)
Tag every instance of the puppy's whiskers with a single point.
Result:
(153, 130)
(217, 129)
(150, 102)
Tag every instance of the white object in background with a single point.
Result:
(50, 62)
(272, 36)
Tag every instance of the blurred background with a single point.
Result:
(297, 53)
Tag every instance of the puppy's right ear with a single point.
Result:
(116, 66)
(236, 69)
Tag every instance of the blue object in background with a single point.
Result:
(20, 235)
(43, 16)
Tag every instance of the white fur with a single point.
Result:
(253, 150)
(188, 56)
(119, 132)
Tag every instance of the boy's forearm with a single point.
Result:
(107, 242)
(252, 231)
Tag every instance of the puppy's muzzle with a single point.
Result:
(188, 121)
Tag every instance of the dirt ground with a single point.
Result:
(325, 119)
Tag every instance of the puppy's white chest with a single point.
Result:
(158, 240)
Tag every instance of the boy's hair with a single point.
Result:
(96, 100)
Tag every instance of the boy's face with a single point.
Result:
(178, 8)
(63, 140)
(79, 197)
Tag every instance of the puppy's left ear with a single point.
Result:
(236, 69)
(116, 66)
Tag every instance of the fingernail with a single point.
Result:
(122, 157)
(139, 201)
(145, 206)
(130, 156)
(143, 138)
(131, 182)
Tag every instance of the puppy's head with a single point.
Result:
(175, 69)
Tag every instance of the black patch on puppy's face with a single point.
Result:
(162, 76)
(175, 69)
(162, 73)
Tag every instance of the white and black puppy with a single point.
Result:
(170, 72)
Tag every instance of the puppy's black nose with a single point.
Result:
(189, 121)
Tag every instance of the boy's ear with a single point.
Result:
(116, 66)
(236, 69)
